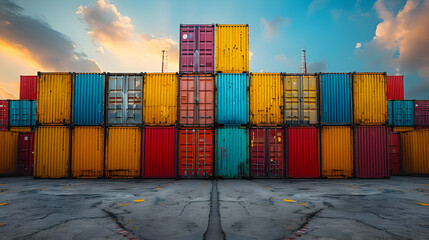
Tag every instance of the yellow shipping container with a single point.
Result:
(415, 152)
(160, 99)
(266, 99)
(232, 48)
(123, 152)
(369, 98)
(8, 152)
(403, 129)
(337, 152)
(87, 152)
(53, 98)
(52, 152)
(20, 129)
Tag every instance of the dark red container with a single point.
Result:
(158, 148)
(421, 112)
(197, 48)
(26, 154)
(266, 152)
(395, 87)
(28, 88)
(302, 152)
(394, 154)
(4, 114)
(422, 127)
(371, 152)
(196, 152)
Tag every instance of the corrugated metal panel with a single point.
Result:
(336, 100)
(369, 98)
(302, 152)
(160, 98)
(28, 88)
(400, 112)
(371, 152)
(232, 48)
(33, 113)
(421, 111)
(26, 154)
(403, 129)
(123, 152)
(4, 115)
(8, 152)
(232, 159)
(395, 87)
(159, 152)
(337, 151)
(20, 112)
(196, 152)
(196, 101)
(393, 153)
(88, 98)
(232, 98)
(53, 98)
(20, 129)
(415, 152)
(124, 99)
(52, 152)
(301, 101)
(266, 99)
(266, 152)
(197, 48)
(422, 127)
(87, 152)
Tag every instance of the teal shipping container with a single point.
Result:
(336, 98)
(20, 113)
(400, 112)
(88, 99)
(33, 112)
(232, 160)
(232, 98)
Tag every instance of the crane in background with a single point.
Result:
(303, 61)
(164, 67)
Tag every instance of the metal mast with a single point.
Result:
(303, 61)
(164, 66)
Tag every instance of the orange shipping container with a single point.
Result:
(337, 152)
(415, 152)
(8, 152)
(87, 152)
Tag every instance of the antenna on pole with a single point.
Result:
(303, 61)
(164, 66)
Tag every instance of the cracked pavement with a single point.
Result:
(218, 209)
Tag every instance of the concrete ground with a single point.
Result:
(224, 209)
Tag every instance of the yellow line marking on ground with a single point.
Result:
(419, 184)
(269, 188)
(139, 200)
(2, 204)
(158, 188)
(289, 228)
(42, 189)
(423, 224)
(123, 204)
(288, 200)
(303, 204)
(65, 188)
(424, 204)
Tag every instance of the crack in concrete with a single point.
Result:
(183, 209)
(304, 226)
(120, 227)
(214, 226)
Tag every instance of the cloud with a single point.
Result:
(250, 55)
(100, 50)
(271, 28)
(358, 45)
(319, 66)
(7, 94)
(316, 5)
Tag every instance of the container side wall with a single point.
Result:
(394, 153)
(88, 98)
(395, 87)
(232, 48)
(87, 152)
(159, 152)
(197, 48)
(232, 98)
(336, 98)
(231, 152)
(8, 152)
(28, 88)
(337, 152)
(415, 153)
(4, 115)
(303, 160)
(421, 112)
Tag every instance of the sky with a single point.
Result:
(128, 36)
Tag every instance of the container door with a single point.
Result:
(275, 152)
(409, 113)
(187, 99)
(14, 113)
(24, 153)
(307, 99)
(258, 166)
(205, 100)
(188, 49)
(394, 154)
(115, 105)
(134, 99)
(187, 152)
(204, 153)
(231, 153)
(291, 112)
(33, 113)
(25, 110)
(205, 52)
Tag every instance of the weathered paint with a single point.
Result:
(26, 154)
(87, 152)
(395, 87)
(337, 151)
(88, 98)
(415, 152)
(403, 129)
(302, 152)
(20, 112)
(4, 115)
(393, 153)
(266, 99)
(232, 159)
(160, 98)
(336, 98)
(400, 112)
(232, 48)
(232, 98)
(8, 152)
(421, 112)
(52, 152)
(28, 88)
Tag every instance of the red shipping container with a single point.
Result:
(28, 88)
(303, 152)
(395, 87)
(196, 152)
(421, 112)
(196, 48)
(371, 152)
(4, 114)
(26, 154)
(158, 148)
(266, 152)
(394, 153)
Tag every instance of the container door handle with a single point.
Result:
(221, 157)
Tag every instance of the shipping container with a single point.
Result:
(403, 129)
(422, 127)
(336, 98)
(33, 113)
(87, 152)
(395, 87)
(28, 88)
(415, 152)
(159, 155)
(20, 129)
(400, 112)
(302, 152)
(197, 48)
(301, 99)
(266, 152)
(196, 99)
(369, 98)
(160, 99)
(123, 152)
(52, 152)
(26, 154)
(124, 99)
(393, 153)
(421, 111)
(371, 152)
(232, 98)
(232, 48)
(266, 99)
(232, 159)
(88, 98)
(20, 113)
(8, 153)
(337, 151)
(4, 115)
(196, 152)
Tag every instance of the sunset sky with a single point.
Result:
(128, 35)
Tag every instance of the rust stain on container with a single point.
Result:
(87, 152)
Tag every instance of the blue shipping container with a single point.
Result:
(20, 113)
(232, 98)
(400, 112)
(88, 98)
(232, 159)
(336, 98)
(33, 112)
